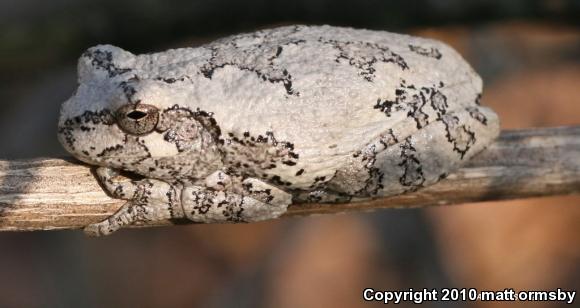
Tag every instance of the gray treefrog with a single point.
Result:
(238, 129)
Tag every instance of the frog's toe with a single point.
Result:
(99, 229)
(116, 185)
(123, 217)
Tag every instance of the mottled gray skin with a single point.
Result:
(238, 129)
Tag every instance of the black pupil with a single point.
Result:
(136, 115)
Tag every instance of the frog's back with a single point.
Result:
(329, 91)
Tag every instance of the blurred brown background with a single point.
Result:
(528, 53)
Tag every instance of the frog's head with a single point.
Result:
(120, 117)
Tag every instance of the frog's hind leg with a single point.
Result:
(255, 201)
(433, 152)
(421, 159)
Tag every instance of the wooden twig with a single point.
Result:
(44, 194)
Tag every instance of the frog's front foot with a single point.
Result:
(126, 215)
(148, 200)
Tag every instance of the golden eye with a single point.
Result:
(137, 119)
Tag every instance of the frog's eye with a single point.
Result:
(138, 119)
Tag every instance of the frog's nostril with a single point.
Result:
(136, 115)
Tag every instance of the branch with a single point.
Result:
(44, 194)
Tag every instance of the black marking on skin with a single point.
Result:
(171, 202)
(232, 207)
(276, 180)
(174, 201)
(386, 106)
(170, 80)
(104, 117)
(142, 192)
(129, 90)
(243, 58)
(315, 196)
(278, 52)
(104, 60)
(439, 102)
(322, 195)
(141, 143)
(374, 182)
(233, 213)
(417, 113)
(201, 206)
(477, 115)
(364, 55)
(67, 132)
(108, 153)
(263, 195)
(367, 159)
(318, 185)
(427, 52)
(478, 99)
(412, 177)
(300, 172)
(388, 139)
(173, 79)
(408, 97)
(118, 192)
(249, 155)
(460, 136)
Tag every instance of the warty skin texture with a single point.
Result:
(238, 129)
